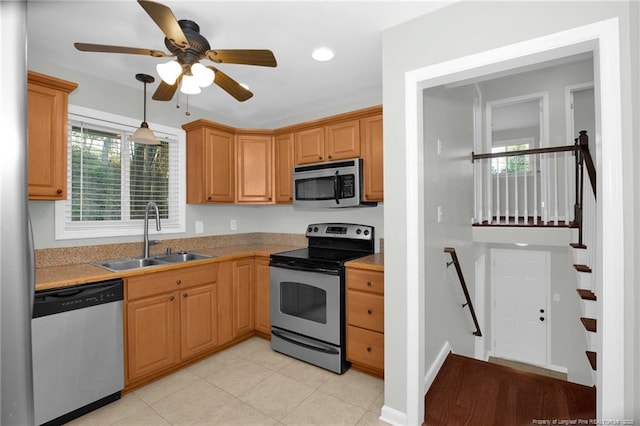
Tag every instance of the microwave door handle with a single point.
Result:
(336, 186)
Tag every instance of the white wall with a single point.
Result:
(118, 99)
(448, 183)
(463, 29)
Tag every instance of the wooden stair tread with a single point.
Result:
(589, 323)
(578, 246)
(582, 268)
(586, 294)
(592, 359)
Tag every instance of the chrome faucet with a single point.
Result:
(146, 225)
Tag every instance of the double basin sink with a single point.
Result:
(144, 262)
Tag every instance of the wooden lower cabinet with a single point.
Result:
(152, 331)
(198, 320)
(365, 319)
(243, 296)
(171, 316)
(262, 296)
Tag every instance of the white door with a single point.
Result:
(520, 288)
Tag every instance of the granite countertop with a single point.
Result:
(373, 262)
(83, 273)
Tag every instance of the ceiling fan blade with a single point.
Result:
(230, 86)
(165, 91)
(88, 47)
(165, 19)
(263, 58)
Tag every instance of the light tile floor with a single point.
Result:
(249, 384)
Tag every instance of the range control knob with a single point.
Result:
(310, 229)
(358, 231)
(315, 229)
(366, 232)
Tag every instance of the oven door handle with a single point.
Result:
(316, 346)
(303, 268)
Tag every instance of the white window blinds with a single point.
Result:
(111, 180)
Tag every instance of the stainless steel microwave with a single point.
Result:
(329, 184)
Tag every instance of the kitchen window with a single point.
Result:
(110, 180)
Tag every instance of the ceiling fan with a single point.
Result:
(188, 46)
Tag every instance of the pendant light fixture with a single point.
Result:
(144, 135)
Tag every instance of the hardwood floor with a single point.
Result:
(471, 392)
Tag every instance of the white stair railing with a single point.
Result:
(525, 187)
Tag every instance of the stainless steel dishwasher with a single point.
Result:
(78, 359)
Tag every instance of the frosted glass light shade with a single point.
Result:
(144, 136)
(204, 76)
(169, 71)
(189, 85)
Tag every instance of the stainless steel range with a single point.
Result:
(308, 293)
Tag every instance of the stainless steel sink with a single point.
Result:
(144, 262)
(181, 257)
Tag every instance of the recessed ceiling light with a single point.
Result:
(322, 54)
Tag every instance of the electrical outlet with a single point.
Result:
(199, 227)
(439, 147)
(439, 214)
(233, 225)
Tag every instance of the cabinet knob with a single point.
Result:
(58, 191)
(330, 157)
(269, 198)
(178, 282)
(184, 294)
(171, 298)
(369, 283)
(369, 311)
(290, 198)
(209, 198)
(368, 348)
(319, 158)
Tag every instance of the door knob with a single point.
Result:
(541, 318)
(542, 311)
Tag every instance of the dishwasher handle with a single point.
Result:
(49, 302)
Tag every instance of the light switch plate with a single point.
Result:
(199, 227)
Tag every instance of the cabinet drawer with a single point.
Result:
(365, 310)
(360, 279)
(160, 282)
(365, 347)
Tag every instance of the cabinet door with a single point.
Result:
(198, 320)
(372, 158)
(343, 140)
(151, 334)
(225, 302)
(309, 146)
(263, 321)
(47, 132)
(284, 168)
(219, 166)
(243, 297)
(254, 155)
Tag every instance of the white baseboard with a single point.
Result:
(436, 365)
(392, 416)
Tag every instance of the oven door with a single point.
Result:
(307, 303)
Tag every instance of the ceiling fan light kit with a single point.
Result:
(188, 46)
(143, 135)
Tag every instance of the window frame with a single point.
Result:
(103, 229)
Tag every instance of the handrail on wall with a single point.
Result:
(454, 261)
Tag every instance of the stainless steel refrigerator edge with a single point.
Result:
(17, 272)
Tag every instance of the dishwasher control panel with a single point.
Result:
(48, 302)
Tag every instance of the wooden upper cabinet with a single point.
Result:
(327, 143)
(343, 140)
(284, 161)
(309, 145)
(210, 162)
(372, 157)
(47, 99)
(254, 165)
